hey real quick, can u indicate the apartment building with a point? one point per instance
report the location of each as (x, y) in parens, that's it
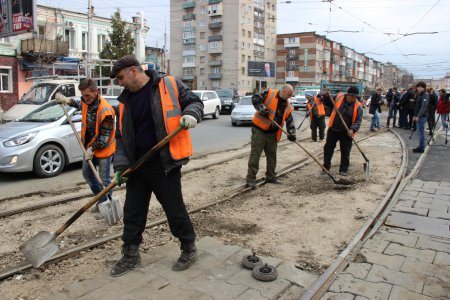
(214, 42)
(307, 58)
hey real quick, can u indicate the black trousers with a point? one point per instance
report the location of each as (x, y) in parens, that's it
(411, 123)
(345, 142)
(317, 123)
(148, 179)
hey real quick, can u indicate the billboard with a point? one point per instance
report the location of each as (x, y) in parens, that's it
(261, 69)
(17, 17)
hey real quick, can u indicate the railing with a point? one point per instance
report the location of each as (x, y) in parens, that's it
(215, 76)
(214, 26)
(36, 45)
(188, 5)
(214, 38)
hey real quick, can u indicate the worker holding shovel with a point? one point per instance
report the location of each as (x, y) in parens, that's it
(270, 105)
(97, 135)
(352, 113)
(151, 108)
(316, 113)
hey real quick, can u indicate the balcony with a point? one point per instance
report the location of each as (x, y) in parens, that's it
(215, 63)
(215, 26)
(188, 5)
(258, 53)
(259, 42)
(292, 67)
(188, 65)
(292, 56)
(215, 50)
(292, 42)
(188, 41)
(189, 17)
(214, 1)
(215, 76)
(188, 77)
(38, 45)
(190, 28)
(214, 38)
(215, 12)
(291, 79)
(188, 53)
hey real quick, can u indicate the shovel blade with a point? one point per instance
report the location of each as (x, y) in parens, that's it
(40, 248)
(367, 170)
(111, 210)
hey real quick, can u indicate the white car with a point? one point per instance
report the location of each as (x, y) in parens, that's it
(211, 102)
(300, 101)
(243, 112)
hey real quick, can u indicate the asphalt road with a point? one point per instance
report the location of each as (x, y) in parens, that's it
(209, 136)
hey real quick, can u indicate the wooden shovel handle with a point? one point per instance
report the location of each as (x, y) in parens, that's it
(114, 183)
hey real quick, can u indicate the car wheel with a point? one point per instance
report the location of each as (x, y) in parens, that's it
(233, 123)
(49, 161)
(216, 113)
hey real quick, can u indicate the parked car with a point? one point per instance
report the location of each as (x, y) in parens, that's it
(299, 100)
(243, 112)
(228, 99)
(211, 102)
(42, 141)
(39, 94)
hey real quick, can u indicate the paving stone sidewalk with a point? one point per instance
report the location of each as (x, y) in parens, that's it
(218, 274)
(409, 257)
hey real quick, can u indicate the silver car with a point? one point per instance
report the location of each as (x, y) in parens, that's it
(42, 142)
(243, 111)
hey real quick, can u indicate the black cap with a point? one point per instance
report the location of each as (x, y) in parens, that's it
(353, 91)
(124, 62)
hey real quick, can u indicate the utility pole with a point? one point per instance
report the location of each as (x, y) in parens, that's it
(89, 39)
(163, 67)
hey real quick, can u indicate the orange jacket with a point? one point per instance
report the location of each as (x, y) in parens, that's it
(271, 102)
(319, 106)
(339, 101)
(104, 109)
(180, 145)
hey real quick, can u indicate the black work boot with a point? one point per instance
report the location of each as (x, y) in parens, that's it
(187, 258)
(130, 259)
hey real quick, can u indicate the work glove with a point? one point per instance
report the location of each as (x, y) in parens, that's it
(61, 99)
(188, 121)
(89, 154)
(119, 178)
(292, 137)
(263, 110)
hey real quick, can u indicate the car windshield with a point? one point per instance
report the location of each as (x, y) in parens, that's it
(228, 94)
(198, 94)
(38, 94)
(47, 113)
(245, 101)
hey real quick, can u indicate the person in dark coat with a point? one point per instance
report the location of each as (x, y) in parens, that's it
(393, 103)
(402, 121)
(431, 110)
(375, 109)
(420, 114)
(410, 106)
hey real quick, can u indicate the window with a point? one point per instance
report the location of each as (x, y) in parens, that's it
(243, 45)
(202, 71)
(242, 58)
(202, 47)
(41, 32)
(243, 32)
(243, 70)
(101, 41)
(249, 34)
(215, 83)
(214, 45)
(202, 35)
(202, 59)
(292, 62)
(292, 52)
(202, 23)
(69, 36)
(189, 59)
(189, 47)
(84, 41)
(291, 73)
(202, 84)
(203, 11)
(190, 23)
(188, 34)
(5, 80)
(215, 70)
(249, 58)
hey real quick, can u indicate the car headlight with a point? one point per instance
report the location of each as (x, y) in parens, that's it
(20, 140)
(235, 113)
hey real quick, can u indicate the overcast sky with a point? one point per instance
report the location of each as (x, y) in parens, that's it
(413, 34)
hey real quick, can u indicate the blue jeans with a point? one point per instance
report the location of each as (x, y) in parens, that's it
(444, 121)
(103, 165)
(421, 130)
(392, 113)
(375, 120)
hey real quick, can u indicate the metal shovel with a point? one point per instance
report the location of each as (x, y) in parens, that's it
(366, 165)
(341, 181)
(111, 209)
(43, 246)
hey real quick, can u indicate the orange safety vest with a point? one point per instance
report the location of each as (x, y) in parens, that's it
(271, 103)
(319, 105)
(104, 109)
(180, 145)
(339, 101)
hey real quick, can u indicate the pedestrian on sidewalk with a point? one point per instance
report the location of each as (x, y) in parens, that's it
(443, 107)
(375, 109)
(316, 116)
(151, 107)
(420, 114)
(97, 135)
(352, 113)
(402, 119)
(272, 105)
(393, 106)
(432, 104)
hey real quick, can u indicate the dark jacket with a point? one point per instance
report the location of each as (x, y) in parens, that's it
(375, 103)
(125, 154)
(346, 111)
(421, 109)
(258, 99)
(410, 101)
